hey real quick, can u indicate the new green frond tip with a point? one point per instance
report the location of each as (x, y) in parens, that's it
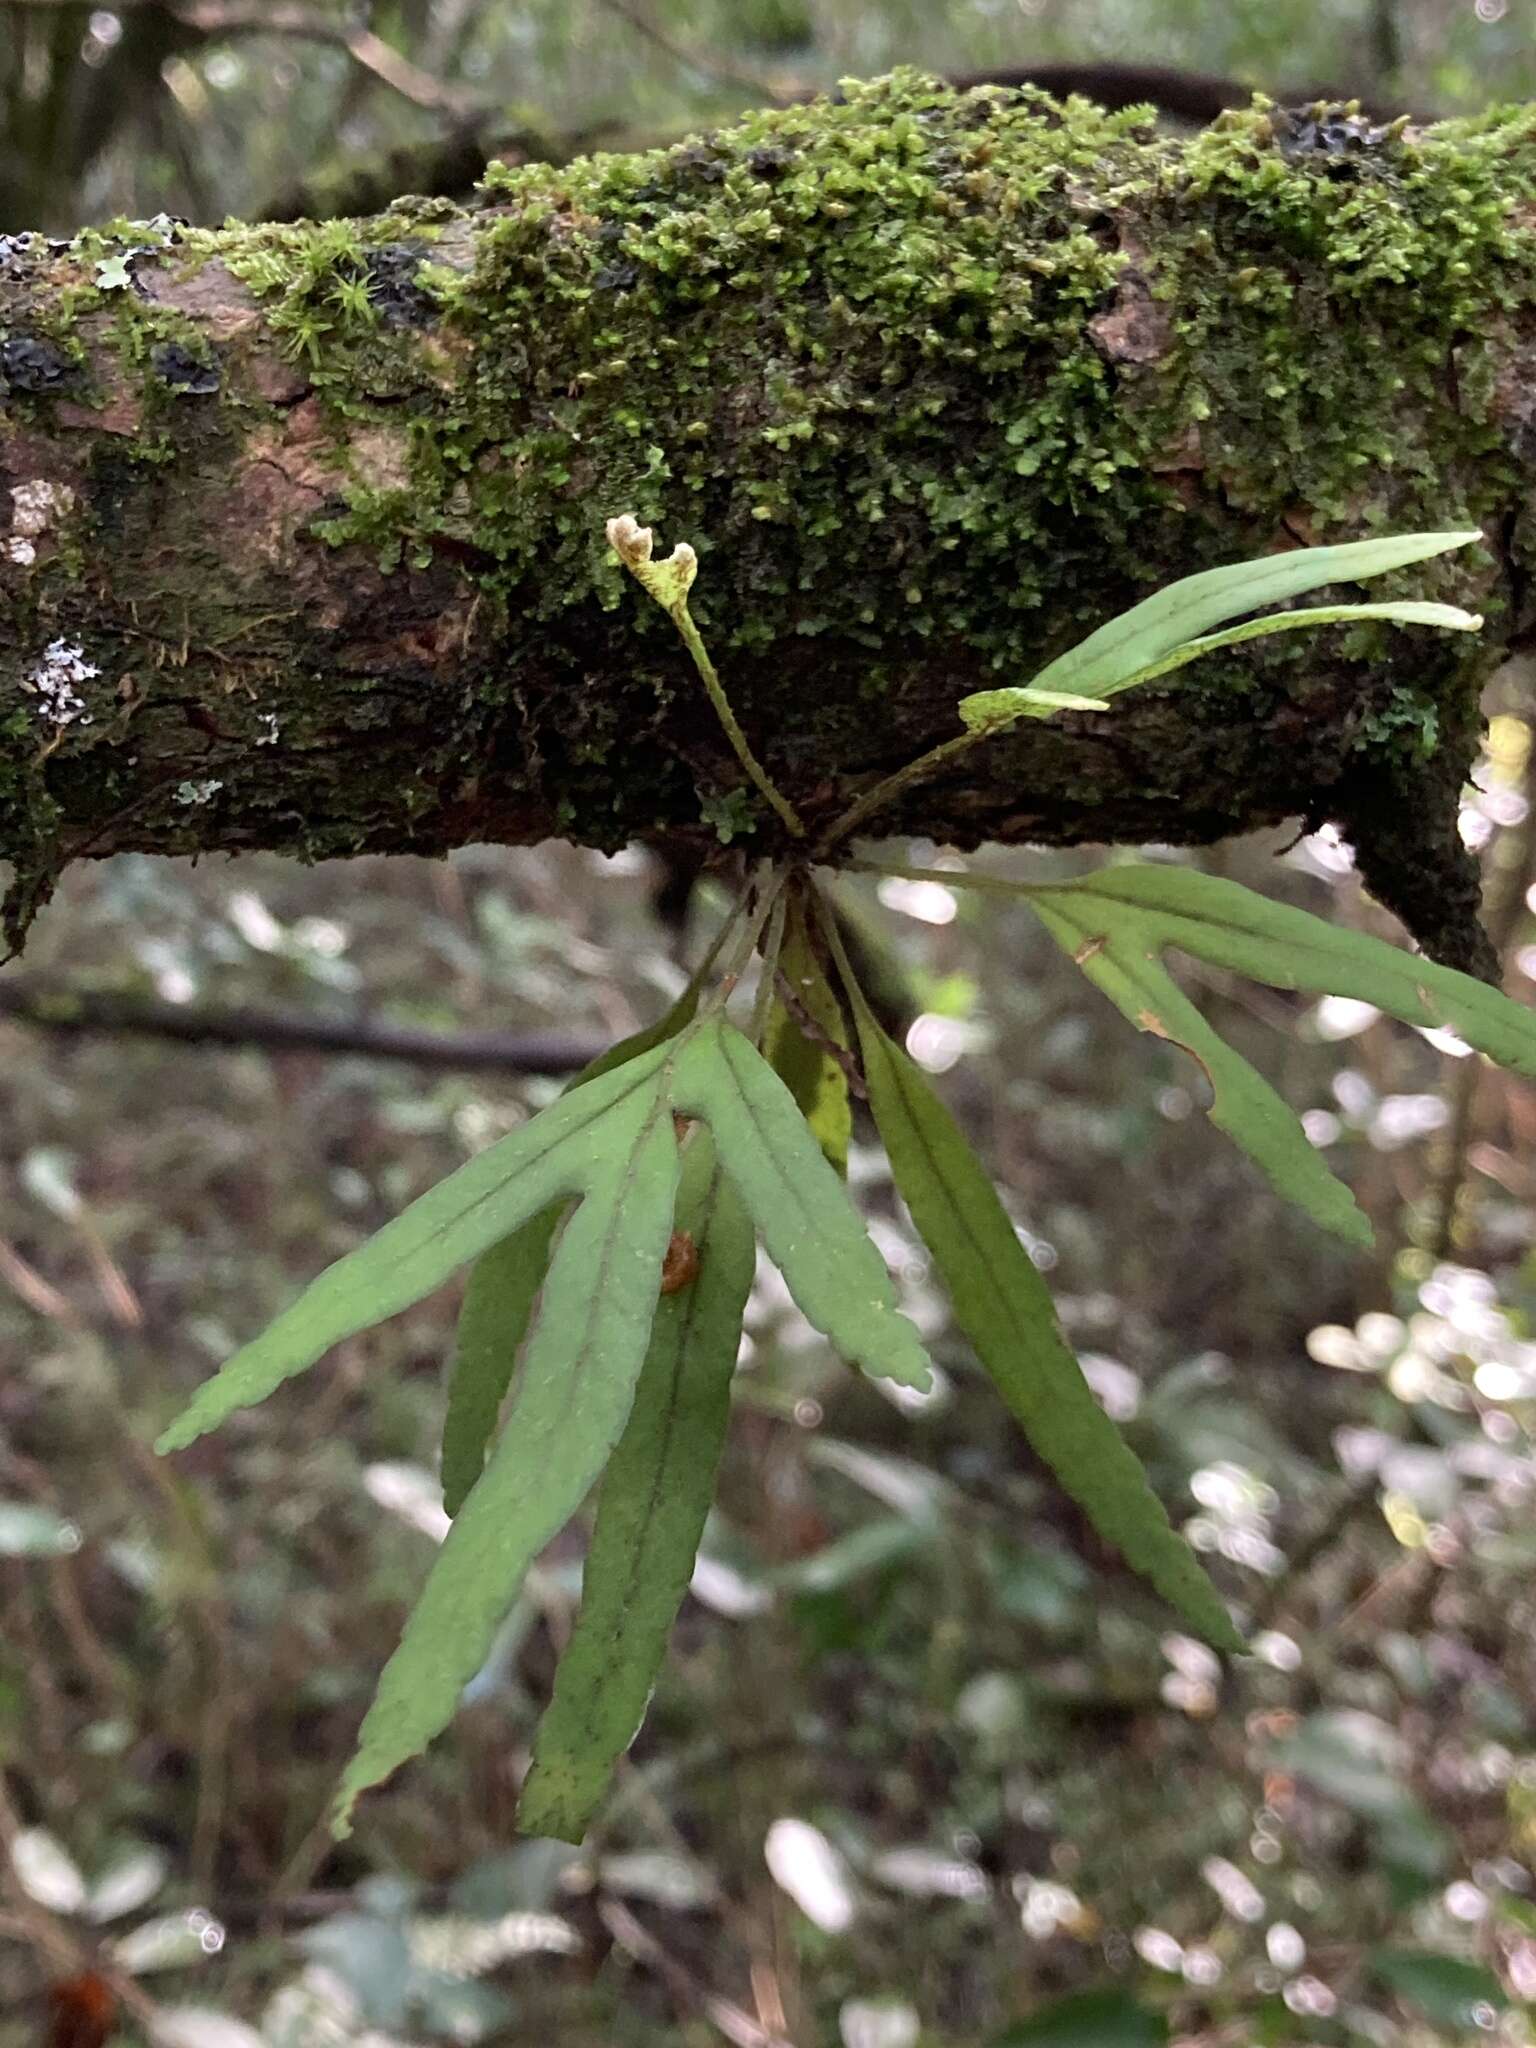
(670, 581)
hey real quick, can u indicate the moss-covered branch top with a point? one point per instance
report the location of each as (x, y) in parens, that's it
(302, 528)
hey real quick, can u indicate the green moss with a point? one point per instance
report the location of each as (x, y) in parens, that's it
(733, 815)
(852, 344)
(350, 301)
(873, 358)
(868, 243)
(1377, 268)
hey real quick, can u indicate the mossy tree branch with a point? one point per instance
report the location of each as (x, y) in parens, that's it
(305, 544)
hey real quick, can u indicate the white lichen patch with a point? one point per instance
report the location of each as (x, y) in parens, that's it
(380, 458)
(198, 792)
(54, 678)
(35, 506)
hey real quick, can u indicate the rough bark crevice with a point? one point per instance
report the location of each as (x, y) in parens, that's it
(301, 528)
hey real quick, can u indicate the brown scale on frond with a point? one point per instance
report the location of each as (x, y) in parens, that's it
(680, 1266)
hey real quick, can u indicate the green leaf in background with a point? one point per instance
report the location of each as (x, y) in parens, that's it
(811, 1073)
(872, 1548)
(503, 1286)
(1128, 649)
(572, 1400)
(992, 707)
(1090, 2019)
(655, 1495)
(1117, 923)
(1004, 1307)
(562, 1151)
(1351, 1757)
(1448, 1991)
(811, 1232)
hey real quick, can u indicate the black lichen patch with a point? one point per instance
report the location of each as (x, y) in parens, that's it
(704, 160)
(769, 163)
(14, 250)
(184, 370)
(38, 367)
(1338, 134)
(394, 289)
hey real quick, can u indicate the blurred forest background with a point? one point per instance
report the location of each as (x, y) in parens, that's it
(925, 1766)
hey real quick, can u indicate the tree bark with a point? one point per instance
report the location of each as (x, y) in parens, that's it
(305, 542)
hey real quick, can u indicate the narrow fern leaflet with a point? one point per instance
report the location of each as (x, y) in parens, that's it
(1117, 923)
(1231, 926)
(562, 1151)
(572, 1400)
(1193, 605)
(991, 707)
(810, 1071)
(1121, 957)
(1005, 1309)
(810, 1229)
(655, 1495)
(503, 1286)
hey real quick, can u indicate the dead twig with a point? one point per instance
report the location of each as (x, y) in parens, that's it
(729, 2019)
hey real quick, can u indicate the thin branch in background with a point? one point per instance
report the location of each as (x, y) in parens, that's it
(29, 1286)
(45, 1933)
(778, 92)
(450, 27)
(88, 1013)
(1445, 1195)
(367, 50)
(94, 1661)
(727, 2018)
